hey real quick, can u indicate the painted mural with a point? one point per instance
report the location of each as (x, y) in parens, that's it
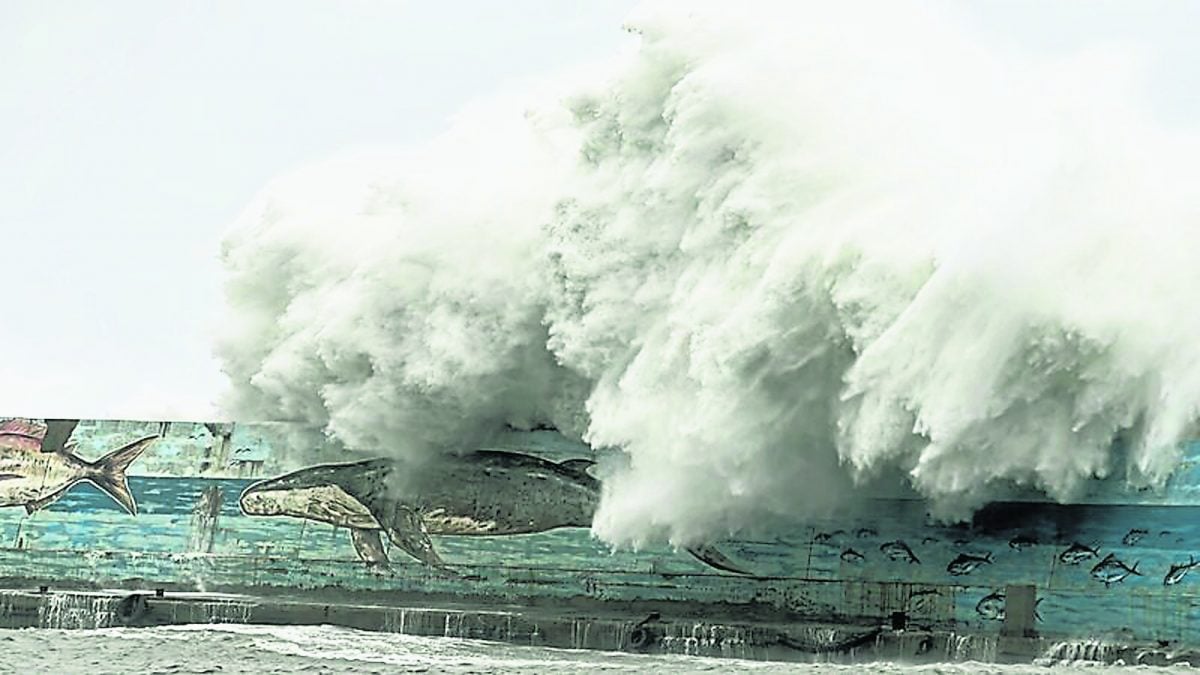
(216, 507)
(38, 465)
(484, 493)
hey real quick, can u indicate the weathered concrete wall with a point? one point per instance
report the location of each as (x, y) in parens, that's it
(671, 631)
(878, 567)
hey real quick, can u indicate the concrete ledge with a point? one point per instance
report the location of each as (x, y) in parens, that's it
(666, 629)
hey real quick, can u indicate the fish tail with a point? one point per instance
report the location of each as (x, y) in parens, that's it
(108, 473)
(1133, 570)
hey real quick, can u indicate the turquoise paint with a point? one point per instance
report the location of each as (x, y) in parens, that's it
(85, 538)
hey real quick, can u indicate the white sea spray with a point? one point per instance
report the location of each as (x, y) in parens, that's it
(777, 252)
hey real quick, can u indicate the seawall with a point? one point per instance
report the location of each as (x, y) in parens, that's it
(885, 581)
(648, 628)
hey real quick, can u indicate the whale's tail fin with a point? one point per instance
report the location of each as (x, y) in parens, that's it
(710, 556)
(108, 473)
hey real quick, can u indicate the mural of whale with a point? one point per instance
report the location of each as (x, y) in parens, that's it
(484, 493)
(37, 465)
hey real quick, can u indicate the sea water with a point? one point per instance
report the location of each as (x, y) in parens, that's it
(228, 648)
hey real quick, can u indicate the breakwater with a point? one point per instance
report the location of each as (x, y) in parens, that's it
(663, 628)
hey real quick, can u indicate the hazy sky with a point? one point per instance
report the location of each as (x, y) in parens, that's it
(134, 132)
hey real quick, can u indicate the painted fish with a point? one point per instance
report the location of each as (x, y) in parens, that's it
(966, 563)
(1077, 553)
(852, 556)
(34, 474)
(898, 550)
(1022, 542)
(823, 538)
(866, 532)
(1179, 571)
(991, 607)
(1133, 536)
(1112, 571)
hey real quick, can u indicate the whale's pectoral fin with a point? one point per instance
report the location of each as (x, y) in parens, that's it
(369, 547)
(407, 532)
(577, 465)
(710, 556)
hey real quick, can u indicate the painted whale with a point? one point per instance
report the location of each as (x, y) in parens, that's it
(484, 493)
(38, 466)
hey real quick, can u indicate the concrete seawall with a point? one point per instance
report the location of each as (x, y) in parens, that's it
(660, 628)
(1021, 581)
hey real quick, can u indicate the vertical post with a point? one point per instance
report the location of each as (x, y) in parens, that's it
(1020, 606)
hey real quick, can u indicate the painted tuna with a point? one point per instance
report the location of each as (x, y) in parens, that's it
(966, 563)
(1133, 536)
(1077, 553)
(484, 493)
(828, 537)
(1179, 571)
(852, 556)
(991, 607)
(898, 550)
(1112, 571)
(38, 466)
(1022, 542)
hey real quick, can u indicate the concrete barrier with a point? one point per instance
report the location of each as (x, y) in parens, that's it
(669, 629)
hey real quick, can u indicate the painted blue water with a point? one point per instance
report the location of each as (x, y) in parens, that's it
(86, 536)
(155, 495)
